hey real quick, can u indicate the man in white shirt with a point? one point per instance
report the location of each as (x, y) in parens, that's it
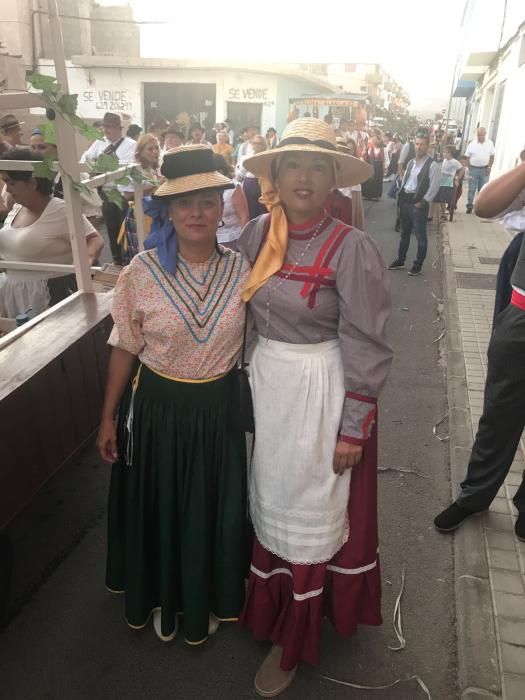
(480, 154)
(419, 187)
(198, 136)
(245, 151)
(503, 421)
(124, 148)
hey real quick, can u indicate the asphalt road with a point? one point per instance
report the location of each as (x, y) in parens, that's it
(67, 638)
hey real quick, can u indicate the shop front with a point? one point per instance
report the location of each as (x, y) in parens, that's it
(142, 89)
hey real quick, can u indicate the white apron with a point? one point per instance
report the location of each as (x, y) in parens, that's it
(298, 505)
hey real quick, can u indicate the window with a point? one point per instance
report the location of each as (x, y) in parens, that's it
(496, 114)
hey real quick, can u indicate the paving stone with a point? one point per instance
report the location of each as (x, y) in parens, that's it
(499, 521)
(512, 632)
(501, 540)
(514, 479)
(514, 686)
(510, 605)
(508, 582)
(517, 468)
(512, 658)
(500, 505)
(504, 559)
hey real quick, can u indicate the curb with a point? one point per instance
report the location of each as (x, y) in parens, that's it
(478, 662)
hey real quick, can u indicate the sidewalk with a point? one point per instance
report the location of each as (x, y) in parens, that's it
(490, 584)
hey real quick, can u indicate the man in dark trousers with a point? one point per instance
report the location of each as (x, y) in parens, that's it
(124, 148)
(503, 420)
(419, 186)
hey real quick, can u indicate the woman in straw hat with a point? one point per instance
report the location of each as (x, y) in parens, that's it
(177, 494)
(318, 294)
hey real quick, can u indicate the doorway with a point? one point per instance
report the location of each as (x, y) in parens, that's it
(243, 114)
(168, 100)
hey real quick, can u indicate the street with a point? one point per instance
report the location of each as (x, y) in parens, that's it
(67, 637)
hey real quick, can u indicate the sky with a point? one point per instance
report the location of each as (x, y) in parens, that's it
(416, 41)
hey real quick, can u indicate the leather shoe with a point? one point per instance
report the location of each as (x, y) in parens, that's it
(451, 518)
(271, 680)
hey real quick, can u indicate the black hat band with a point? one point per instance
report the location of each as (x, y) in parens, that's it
(185, 163)
(301, 140)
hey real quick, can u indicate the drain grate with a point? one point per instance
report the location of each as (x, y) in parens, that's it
(474, 280)
(489, 261)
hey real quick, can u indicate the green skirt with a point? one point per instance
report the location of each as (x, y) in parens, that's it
(177, 523)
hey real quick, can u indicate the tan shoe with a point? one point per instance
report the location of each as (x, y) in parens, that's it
(271, 680)
(157, 626)
(213, 624)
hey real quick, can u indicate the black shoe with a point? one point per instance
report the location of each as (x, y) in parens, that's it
(397, 228)
(519, 527)
(469, 210)
(451, 518)
(415, 270)
(396, 265)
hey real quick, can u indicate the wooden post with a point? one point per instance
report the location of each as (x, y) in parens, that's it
(69, 168)
(139, 213)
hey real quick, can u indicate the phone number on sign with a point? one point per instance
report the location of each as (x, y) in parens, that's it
(114, 106)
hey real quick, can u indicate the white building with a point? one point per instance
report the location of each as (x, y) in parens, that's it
(493, 65)
(143, 88)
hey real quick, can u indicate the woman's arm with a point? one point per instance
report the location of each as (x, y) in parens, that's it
(95, 243)
(499, 194)
(364, 305)
(240, 204)
(120, 365)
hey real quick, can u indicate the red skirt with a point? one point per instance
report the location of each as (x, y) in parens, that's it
(285, 602)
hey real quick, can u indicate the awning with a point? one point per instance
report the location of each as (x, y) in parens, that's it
(465, 88)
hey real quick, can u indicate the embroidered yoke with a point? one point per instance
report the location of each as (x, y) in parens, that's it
(340, 291)
(188, 325)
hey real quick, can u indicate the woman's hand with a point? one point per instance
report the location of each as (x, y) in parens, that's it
(107, 440)
(346, 456)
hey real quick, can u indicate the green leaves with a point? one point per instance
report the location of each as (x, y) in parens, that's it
(48, 132)
(68, 104)
(46, 83)
(80, 187)
(44, 169)
(106, 163)
(89, 132)
(136, 174)
(122, 180)
(115, 197)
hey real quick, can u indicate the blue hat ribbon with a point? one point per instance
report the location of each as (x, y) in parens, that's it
(162, 234)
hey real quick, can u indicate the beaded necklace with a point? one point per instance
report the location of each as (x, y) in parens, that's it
(276, 285)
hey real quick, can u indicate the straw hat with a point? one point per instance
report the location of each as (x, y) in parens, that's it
(308, 135)
(188, 169)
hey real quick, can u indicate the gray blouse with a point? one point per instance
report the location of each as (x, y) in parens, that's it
(339, 290)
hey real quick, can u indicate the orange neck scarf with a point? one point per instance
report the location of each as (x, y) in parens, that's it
(271, 258)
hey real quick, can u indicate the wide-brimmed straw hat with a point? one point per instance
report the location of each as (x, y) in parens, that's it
(308, 135)
(188, 169)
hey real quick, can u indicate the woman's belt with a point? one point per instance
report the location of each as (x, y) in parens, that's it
(206, 380)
